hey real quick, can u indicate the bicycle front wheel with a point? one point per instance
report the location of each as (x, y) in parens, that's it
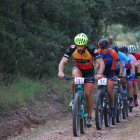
(119, 109)
(124, 110)
(83, 119)
(76, 112)
(107, 112)
(99, 110)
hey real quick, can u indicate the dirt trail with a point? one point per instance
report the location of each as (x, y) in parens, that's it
(127, 129)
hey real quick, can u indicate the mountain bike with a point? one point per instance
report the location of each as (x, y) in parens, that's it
(118, 99)
(79, 109)
(102, 106)
(125, 101)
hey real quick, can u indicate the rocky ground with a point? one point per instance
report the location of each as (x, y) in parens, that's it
(18, 120)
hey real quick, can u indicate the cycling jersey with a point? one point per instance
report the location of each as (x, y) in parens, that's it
(84, 60)
(137, 56)
(127, 65)
(123, 58)
(109, 59)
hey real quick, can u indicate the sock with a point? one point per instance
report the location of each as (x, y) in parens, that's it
(131, 100)
(135, 97)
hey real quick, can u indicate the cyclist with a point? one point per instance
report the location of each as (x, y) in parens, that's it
(109, 57)
(83, 56)
(132, 50)
(123, 58)
(129, 71)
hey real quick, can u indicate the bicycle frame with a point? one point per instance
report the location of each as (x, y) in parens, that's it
(103, 88)
(80, 90)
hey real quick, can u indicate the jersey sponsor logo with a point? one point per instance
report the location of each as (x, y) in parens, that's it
(98, 56)
(85, 54)
(95, 51)
(73, 46)
(82, 61)
(90, 47)
(105, 59)
(66, 55)
(68, 50)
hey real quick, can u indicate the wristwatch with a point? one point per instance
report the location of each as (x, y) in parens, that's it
(60, 71)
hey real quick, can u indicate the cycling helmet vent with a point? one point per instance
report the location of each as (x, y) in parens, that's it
(114, 47)
(123, 49)
(131, 49)
(103, 43)
(81, 39)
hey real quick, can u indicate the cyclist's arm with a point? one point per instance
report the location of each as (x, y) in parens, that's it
(61, 67)
(138, 67)
(136, 63)
(101, 64)
(133, 67)
(121, 66)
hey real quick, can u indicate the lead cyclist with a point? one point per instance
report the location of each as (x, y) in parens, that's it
(83, 56)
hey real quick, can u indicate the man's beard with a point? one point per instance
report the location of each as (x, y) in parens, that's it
(81, 51)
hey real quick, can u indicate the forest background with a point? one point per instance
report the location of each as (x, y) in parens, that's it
(35, 34)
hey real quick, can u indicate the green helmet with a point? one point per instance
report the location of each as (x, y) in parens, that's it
(81, 39)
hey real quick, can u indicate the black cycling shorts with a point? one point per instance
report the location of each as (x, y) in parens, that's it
(86, 73)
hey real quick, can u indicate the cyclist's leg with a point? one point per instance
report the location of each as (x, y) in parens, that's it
(88, 87)
(135, 92)
(130, 87)
(88, 90)
(76, 72)
(109, 88)
(124, 82)
(130, 90)
(110, 84)
(135, 88)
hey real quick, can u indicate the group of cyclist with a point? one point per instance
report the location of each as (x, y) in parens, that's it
(110, 60)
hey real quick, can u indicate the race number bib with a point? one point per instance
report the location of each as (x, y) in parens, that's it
(79, 80)
(102, 81)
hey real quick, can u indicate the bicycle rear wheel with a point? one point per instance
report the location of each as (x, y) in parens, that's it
(107, 112)
(127, 108)
(119, 109)
(99, 110)
(115, 106)
(83, 120)
(124, 110)
(76, 112)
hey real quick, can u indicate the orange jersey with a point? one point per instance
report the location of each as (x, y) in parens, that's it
(84, 60)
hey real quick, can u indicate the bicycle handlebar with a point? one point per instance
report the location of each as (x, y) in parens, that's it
(69, 78)
(93, 78)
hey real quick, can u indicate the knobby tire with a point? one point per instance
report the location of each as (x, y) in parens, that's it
(107, 112)
(83, 120)
(99, 110)
(76, 112)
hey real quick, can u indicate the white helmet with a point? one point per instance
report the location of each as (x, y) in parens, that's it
(131, 49)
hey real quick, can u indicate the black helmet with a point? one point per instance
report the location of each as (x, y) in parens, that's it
(123, 49)
(114, 47)
(103, 43)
